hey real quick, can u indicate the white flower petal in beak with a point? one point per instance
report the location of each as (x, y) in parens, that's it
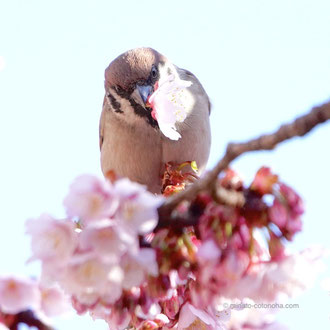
(168, 105)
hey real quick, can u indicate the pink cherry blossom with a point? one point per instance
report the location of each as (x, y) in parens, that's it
(137, 266)
(293, 199)
(295, 273)
(3, 327)
(150, 311)
(119, 267)
(207, 285)
(234, 265)
(287, 217)
(18, 294)
(52, 241)
(264, 181)
(54, 302)
(252, 318)
(90, 199)
(84, 300)
(270, 281)
(88, 273)
(137, 211)
(208, 251)
(168, 103)
(157, 323)
(193, 318)
(118, 319)
(278, 214)
(248, 286)
(99, 311)
(107, 239)
(148, 324)
(171, 306)
(161, 319)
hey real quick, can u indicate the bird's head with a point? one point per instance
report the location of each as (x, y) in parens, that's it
(143, 86)
(131, 78)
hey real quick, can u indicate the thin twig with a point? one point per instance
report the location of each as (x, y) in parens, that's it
(299, 127)
(28, 318)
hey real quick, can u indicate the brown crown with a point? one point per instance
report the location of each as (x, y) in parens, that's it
(130, 67)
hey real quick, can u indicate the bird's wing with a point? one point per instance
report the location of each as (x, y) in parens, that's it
(102, 123)
(187, 75)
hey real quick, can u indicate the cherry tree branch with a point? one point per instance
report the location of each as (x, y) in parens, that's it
(299, 127)
(26, 317)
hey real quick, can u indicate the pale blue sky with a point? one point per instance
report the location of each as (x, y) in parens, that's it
(262, 63)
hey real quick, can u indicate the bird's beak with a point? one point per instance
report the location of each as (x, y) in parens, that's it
(145, 91)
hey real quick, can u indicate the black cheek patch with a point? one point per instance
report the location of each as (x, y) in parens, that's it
(139, 110)
(115, 105)
(142, 112)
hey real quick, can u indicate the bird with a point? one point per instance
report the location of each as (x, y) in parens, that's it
(133, 140)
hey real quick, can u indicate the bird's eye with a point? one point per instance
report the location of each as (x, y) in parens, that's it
(154, 72)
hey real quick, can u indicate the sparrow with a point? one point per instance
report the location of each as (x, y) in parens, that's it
(153, 113)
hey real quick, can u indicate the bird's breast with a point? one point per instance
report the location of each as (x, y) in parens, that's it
(133, 152)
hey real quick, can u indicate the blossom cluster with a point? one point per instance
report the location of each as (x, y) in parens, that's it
(124, 262)
(24, 300)
(95, 254)
(170, 104)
